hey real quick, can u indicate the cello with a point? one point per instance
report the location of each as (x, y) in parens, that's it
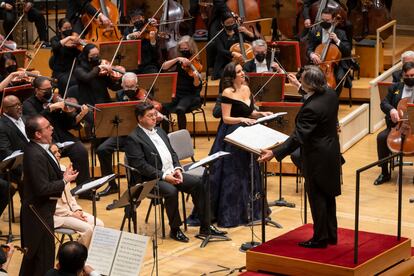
(97, 32)
(330, 56)
(402, 129)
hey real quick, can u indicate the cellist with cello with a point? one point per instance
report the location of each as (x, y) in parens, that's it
(325, 37)
(76, 8)
(392, 106)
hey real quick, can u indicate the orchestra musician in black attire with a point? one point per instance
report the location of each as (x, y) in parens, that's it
(320, 34)
(75, 10)
(65, 50)
(149, 47)
(62, 122)
(8, 14)
(389, 105)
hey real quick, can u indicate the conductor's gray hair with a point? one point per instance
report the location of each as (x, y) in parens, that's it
(313, 77)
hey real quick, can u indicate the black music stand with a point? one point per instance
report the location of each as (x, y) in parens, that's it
(132, 197)
(206, 163)
(267, 87)
(115, 120)
(93, 186)
(285, 125)
(6, 166)
(164, 88)
(128, 56)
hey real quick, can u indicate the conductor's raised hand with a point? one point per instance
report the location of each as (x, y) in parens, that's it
(265, 155)
(70, 174)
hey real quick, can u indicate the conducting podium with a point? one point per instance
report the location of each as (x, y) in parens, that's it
(253, 139)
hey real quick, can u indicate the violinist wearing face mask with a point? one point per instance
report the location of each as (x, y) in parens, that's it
(260, 63)
(64, 49)
(149, 46)
(389, 105)
(93, 78)
(188, 87)
(320, 34)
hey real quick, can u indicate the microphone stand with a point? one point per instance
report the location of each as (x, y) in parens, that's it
(116, 121)
(155, 240)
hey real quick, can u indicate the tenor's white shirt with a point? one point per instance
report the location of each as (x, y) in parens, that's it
(19, 124)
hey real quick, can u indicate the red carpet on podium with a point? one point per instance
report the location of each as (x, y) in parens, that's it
(342, 254)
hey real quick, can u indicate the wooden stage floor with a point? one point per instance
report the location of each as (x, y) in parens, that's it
(378, 214)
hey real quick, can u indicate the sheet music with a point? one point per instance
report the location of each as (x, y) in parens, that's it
(102, 249)
(64, 144)
(256, 137)
(270, 117)
(130, 254)
(95, 183)
(208, 159)
(13, 155)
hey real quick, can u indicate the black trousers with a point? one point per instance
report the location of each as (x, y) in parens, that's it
(182, 105)
(105, 152)
(42, 260)
(33, 15)
(382, 149)
(192, 185)
(78, 155)
(323, 209)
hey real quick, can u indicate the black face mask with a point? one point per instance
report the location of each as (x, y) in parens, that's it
(229, 27)
(409, 81)
(95, 61)
(67, 32)
(11, 69)
(130, 93)
(326, 25)
(139, 24)
(186, 53)
(260, 57)
(47, 95)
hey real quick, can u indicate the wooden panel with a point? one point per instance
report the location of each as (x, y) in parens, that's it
(354, 127)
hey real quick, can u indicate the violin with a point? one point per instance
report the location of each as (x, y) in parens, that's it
(29, 77)
(70, 103)
(145, 32)
(142, 95)
(330, 55)
(402, 129)
(194, 68)
(115, 72)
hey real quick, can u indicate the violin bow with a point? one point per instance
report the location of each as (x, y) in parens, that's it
(270, 78)
(116, 51)
(89, 23)
(44, 223)
(343, 78)
(11, 31)
(155, 13)
(69, 78)
(34, 55)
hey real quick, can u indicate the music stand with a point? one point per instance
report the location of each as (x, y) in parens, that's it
(132, 197)
(164, 88)
(20, 91)
(286, 125)
(289, 54)
(6, 166)
(206, 163)
(129, 54)
(115, 120)
(93, 186)
(273, 91)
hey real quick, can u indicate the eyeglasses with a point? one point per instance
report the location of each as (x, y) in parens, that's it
(151, 115)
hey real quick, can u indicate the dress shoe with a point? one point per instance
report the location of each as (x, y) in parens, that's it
(382, 178)
(332, 241)
(314, 244)
(109, 190)
(178, 235)
(212, 230)
(89, 196)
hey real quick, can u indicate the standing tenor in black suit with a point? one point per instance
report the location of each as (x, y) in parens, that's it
(389, 106)
(149, 151)
(43, 180)
(316, 135)
(320, 35)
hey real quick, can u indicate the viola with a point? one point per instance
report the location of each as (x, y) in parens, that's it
(402, 129)
(142, 95)
(194, 68)
(97, 32)
(70, 103)
(330, 55)
(145, 32)
(115, 72)
(29, 77)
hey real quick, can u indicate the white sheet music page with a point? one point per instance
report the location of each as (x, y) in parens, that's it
(102, 249)
(13, 155)
(130, 255)
(208, 159)
(257, 137)
(270, 117)
(94, 183)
